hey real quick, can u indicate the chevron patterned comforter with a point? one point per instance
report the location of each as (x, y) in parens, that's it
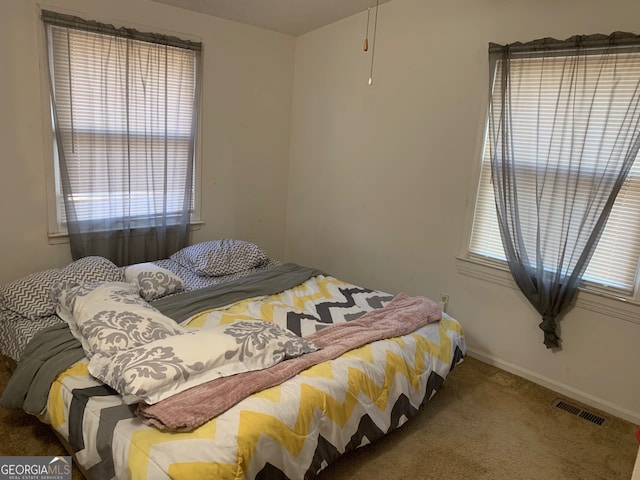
(292, 430)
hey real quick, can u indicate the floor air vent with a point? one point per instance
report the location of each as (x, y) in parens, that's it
(589, 416)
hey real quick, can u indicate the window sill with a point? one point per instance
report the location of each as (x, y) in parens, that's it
(622, 308)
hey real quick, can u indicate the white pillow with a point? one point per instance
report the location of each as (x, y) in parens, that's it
(110, 317)
(157, 370)
(153, 281)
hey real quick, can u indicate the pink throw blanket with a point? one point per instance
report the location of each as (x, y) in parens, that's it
(188, 410)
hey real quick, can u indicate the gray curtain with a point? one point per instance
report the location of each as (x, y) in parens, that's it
(125, 111)
(563, 131)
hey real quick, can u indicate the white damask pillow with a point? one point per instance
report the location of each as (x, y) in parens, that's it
(157, 370)
(220, 257)
(111, 317)
(153, 281)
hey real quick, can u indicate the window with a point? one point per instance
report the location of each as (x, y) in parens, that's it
(614, 266)
(125, 112)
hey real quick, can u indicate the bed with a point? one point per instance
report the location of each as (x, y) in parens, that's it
(274, 369)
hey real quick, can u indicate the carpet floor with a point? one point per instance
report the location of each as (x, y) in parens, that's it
(484, 424)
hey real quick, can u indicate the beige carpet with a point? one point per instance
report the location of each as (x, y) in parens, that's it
(484, 424)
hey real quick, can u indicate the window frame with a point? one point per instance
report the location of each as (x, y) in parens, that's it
(56, 231)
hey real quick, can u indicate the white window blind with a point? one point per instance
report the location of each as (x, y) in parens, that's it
(125, 113)
(614, 265)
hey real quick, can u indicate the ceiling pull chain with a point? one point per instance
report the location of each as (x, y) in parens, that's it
(366, 35)
(373, 46)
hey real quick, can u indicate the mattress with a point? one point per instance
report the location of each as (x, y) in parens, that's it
(292, 430)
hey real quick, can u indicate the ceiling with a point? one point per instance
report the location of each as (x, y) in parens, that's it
(293, 17)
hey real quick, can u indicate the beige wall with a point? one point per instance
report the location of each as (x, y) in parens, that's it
(246, 112)
(382, 178)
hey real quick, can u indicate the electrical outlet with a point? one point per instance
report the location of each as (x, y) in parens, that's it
(444, 301)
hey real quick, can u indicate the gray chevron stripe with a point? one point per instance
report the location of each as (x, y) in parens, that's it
(30, 296)
(220, 257)
(109, 417)
(363, 299)
(193, 281)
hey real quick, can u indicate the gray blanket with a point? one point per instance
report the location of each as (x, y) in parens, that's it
(49, 353)
(183, 306)
(54, 349)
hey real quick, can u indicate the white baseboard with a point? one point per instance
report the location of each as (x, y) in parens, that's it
(595, 402)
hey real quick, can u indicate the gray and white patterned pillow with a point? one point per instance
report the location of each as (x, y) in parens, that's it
(85, 271)
(111, 317)
(157, 370)
(153, 281)
(34, 296)
(220, 257)
(29, 297)
(193, 281)
(93, 269)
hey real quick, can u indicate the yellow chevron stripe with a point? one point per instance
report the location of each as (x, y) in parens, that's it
(273, 394)
(321, 370)
(254, 424)
(142, 441)
(55, 404)
(199, 470)
(323, 292)
(419, 358)
(295, 299)
(441, 351)
(237, 311)
(198, 320)
(325, 369)
(311, 290)
(267, 311)
(365, 353)
(239, 308)
(449, 324)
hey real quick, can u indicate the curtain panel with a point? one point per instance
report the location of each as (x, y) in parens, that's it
(125, 110)
(563, 132)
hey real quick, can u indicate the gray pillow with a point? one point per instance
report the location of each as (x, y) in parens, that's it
(35, 296)
(29, 297)
(216, 258)
(93, 269)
